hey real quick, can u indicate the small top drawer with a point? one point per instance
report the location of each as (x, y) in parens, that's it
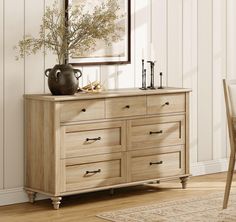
(82, 110)
(125, 106)
(167, 103)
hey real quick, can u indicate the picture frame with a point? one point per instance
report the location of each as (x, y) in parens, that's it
(117, 53)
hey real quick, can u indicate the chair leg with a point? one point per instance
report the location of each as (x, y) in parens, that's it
(229, 180)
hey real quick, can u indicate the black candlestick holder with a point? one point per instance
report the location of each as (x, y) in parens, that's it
(144, 74)
(161, 77)
(152, 65)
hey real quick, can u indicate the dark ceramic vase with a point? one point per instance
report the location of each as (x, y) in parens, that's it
(63, 79)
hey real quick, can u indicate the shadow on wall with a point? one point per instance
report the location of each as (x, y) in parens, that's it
(110, 75)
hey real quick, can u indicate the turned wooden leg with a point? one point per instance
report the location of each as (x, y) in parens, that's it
(184, 182)
(31, 196)
(56, 202)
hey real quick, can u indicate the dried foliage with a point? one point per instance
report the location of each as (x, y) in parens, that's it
(77, 34)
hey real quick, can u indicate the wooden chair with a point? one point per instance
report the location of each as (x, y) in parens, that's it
(230, 101)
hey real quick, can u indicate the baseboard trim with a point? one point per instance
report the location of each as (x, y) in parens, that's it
(209, 167)
(18, 195)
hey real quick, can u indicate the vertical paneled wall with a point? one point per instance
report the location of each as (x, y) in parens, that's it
(14, 84)
(175, 42)
(219, 71)
(205, 79)
(193, 42)
(190, 69)
(1, 94)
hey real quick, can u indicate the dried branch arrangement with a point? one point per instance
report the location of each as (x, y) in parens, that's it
(77, 34)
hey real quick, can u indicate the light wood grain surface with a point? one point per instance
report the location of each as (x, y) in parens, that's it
(106, 94)
(84, 207)
(40, 143)
(81, 146)
(84, 110)
(76, 140)
(152, 163)
(91, 172)
(165, 103)
(126, 106)
(156, 132)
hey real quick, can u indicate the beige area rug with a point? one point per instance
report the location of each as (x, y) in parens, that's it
(201, 209)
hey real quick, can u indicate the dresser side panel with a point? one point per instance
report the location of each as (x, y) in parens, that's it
(40, 137)
(187, 133)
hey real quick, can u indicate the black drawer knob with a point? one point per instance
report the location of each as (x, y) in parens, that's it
(156, 163)
(127, 107)
(166, 104)
(83, 110)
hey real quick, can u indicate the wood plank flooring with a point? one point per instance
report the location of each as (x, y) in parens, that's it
(84, 207)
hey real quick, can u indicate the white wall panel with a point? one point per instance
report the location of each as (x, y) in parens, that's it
(190, 69)
(231, 37)
(219, 72)
(90, 74)
(125, 76)
(126, 73)
(159, 38)
(205, 80)
(34, 64)
(1, 93)
(109, 76)
(141, 39)
(175, 43)
(14, 90)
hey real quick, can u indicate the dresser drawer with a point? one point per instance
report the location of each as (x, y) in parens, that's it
(167, 103)
(91, 172)
(151, 164)
(156, 132)
(125, 106)
(93, 139)
(82, 110)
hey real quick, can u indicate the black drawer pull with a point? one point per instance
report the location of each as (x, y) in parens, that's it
(127, 107)
(166, 104)
(93, 171)
(157, 132)
(83, 110)
(93, 139)
(156, 163)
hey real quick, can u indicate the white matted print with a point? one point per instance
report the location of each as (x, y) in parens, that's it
(117, 52)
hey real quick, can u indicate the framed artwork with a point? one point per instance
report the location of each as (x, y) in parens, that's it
(115, 53)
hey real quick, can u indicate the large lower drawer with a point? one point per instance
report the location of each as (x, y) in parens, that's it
(93, 139)
(156, 132)
(93, 171)
(151, 164)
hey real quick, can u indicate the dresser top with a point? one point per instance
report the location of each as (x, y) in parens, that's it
(107, 94)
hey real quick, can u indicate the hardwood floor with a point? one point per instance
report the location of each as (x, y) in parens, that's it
(84, 207)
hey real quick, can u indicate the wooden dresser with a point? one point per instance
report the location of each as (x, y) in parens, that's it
(88, 142)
